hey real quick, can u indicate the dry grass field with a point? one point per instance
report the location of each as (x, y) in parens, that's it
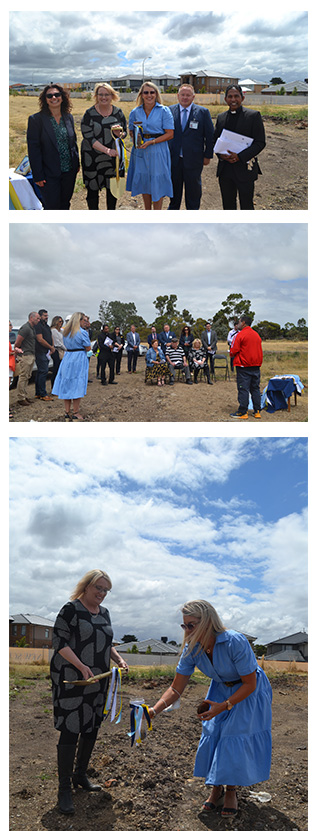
(284, 162)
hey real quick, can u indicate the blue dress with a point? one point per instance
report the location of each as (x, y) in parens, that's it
(150, 169)
(72, 377)
(235, 746)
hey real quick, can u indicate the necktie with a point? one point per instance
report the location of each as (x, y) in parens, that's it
(184, 119)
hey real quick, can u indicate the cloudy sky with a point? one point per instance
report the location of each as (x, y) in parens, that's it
(170, 521)
(71, 267)
(80, 45)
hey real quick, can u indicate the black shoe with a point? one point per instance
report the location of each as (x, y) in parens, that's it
(171, 383)
(79, 778)
(113, 382)
(210, 382)
(190, 382)
(104, 383)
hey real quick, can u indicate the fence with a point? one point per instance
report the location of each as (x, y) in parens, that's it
(17, 655)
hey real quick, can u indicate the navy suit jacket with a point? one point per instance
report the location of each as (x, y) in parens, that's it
(248, 123)
(196, 143)
(43, 149)
(164, 340)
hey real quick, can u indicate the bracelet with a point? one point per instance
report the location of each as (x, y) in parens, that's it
(176, 691)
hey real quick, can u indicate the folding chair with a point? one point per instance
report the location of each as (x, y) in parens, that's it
(222, 363)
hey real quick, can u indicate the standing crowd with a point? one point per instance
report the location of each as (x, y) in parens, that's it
(171, 145)
(65, 348)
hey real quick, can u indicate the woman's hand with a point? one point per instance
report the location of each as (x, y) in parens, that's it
(215, 709)
(42, 183)
(110, 152)
(229, 157)
(146, 144)
(86, 672)
(123, 665)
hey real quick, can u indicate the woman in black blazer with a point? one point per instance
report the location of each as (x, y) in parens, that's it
(52, 148)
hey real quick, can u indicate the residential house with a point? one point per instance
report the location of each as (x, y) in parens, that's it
(37, 630)
(290, 648)
(208, 80)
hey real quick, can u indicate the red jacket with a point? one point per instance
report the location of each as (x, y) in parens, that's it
(246, 349)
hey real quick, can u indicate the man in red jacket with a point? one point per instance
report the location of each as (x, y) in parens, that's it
(247, 354)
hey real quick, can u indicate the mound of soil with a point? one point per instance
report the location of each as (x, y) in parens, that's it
(154, 789)
(133, 400)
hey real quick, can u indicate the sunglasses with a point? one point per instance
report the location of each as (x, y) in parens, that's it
(148, 93)
(53, 95)
(188, 626)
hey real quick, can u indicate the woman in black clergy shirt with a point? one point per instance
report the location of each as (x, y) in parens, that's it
(52, 148)
(98, 153)
(82, 643)
(235, 177)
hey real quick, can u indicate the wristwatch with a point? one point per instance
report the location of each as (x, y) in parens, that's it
(229, 705)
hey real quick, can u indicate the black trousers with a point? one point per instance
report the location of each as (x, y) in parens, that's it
(248, 382)
(57, 192)
(93, 200)
(230, 188)
(191, 179)
(106, 358)
(132, 359)
(71, 738)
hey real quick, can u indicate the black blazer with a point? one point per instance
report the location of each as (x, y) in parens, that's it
(43, 149)
(196, 142)
(248, 123)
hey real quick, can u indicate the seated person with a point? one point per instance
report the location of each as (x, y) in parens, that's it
(156, 363)
(198, 360)
(176, 359)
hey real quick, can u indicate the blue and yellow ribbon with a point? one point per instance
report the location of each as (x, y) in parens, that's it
(138, 712)
(110, 706)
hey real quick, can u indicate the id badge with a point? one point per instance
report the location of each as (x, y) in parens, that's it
(194, 125)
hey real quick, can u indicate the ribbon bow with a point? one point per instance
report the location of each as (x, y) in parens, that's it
(139, 712)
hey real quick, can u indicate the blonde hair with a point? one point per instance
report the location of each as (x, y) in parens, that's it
(196, 340)
(89, 579)
(209, 624)
(139, 99)
(72, 327)
(109, 88)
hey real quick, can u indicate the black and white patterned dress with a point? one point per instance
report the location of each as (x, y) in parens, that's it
(97, 167)
(80, 709)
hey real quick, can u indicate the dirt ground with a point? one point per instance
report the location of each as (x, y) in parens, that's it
(133, 400)
(282, 186)
(154, 788)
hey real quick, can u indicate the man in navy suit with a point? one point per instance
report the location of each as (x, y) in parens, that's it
(190, 148)
(133, 342)
(165, 337)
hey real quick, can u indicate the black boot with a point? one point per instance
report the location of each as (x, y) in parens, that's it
(85, 748)
(66, 754)
(207, 373)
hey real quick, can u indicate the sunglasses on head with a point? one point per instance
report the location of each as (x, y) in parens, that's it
(53, 95)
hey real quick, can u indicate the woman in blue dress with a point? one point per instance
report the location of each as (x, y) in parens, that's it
(235, 745)
(149, 171)
(72, 378)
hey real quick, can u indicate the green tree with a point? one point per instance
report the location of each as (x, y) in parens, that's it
(22, 644)
(276, 80)
(148, 650)
(116, 313)
(259, 649)
(268, 330)
(128, 638)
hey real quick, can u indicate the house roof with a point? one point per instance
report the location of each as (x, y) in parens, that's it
(209, 73)
(35, 620)
(158, 647)
(299, 637)
(250, 81)
(286, 655)
(300, 86)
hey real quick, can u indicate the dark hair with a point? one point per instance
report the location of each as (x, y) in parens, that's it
(66, 105)
(234, 86)
(42, 312)
(247, 319)
(186, 327)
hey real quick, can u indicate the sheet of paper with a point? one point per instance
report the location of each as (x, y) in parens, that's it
(232, 141)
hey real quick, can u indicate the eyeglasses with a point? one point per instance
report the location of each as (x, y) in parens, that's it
(101, 590)
(53, 95)
(188, 626)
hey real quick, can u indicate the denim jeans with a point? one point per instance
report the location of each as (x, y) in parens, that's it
(41, 374)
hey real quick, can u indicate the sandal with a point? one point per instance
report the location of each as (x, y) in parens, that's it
(77, 417)
(229, 812)
(212, 806)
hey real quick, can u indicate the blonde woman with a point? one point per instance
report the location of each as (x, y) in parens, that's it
(72, 376)
(98, 153)
(235, 745)
(198, 360)
(149, 171)
(82, 643)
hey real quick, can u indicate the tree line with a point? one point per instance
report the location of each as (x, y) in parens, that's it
(116, 313)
